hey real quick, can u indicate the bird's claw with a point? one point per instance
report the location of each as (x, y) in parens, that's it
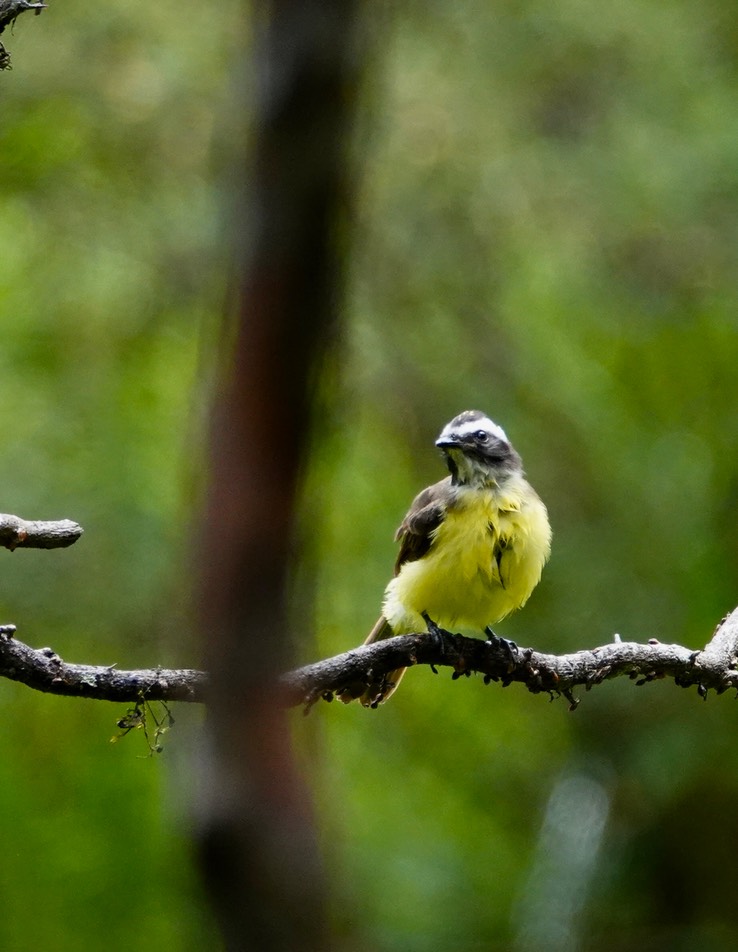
(438, 634)
(509, 647)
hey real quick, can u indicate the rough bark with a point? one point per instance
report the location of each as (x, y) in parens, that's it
(17, 533)
(714, 667)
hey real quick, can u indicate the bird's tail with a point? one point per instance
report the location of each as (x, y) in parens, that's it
(377, 690)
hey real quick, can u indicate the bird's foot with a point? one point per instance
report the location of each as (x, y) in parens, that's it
(509, 647)
(439, 635)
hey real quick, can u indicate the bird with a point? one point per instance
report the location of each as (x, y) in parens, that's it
(472, 546)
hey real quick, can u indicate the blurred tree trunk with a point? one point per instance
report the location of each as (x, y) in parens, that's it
(258, 848)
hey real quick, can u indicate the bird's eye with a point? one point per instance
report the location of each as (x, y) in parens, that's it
(482, 436)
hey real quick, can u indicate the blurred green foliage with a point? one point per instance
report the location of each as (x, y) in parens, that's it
(546, 229)
(111, 274)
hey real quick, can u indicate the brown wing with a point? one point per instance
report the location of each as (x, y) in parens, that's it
(425, 514)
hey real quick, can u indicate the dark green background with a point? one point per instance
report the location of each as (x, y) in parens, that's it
(546, 229)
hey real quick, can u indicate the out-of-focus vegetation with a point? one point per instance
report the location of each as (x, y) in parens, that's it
(546, 229)
(111, 273)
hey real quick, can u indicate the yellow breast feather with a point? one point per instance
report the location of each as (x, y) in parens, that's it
(485, 559)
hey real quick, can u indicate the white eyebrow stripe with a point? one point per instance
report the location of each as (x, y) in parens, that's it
(483, 423)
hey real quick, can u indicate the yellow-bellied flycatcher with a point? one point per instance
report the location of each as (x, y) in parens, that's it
(472, 547)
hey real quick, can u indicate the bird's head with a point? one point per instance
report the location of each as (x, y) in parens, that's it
(477, 450)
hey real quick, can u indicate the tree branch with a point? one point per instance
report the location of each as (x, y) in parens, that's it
(714, 667)
(10, 10)
(43, 670)
(17, 533)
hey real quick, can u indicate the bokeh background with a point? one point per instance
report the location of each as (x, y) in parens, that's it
(545, 228)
